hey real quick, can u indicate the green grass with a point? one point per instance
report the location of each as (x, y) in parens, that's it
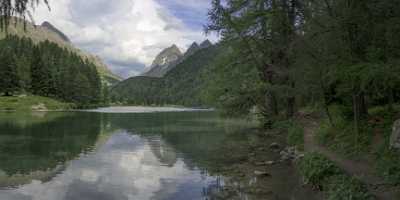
(343, 187)
(322, 173)
(316, 169)
(293, 130)
(296, 136)
(25, 103)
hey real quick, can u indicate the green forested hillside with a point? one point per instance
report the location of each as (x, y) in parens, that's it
(45, 69)
(180, 86)
(139, 90)
(41, 33)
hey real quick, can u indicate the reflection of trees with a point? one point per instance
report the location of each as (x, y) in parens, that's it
(41, 147)
(196, 136)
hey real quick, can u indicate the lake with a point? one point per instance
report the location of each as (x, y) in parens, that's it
(131, 156)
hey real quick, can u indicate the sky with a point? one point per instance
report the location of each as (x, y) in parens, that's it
(128, 34)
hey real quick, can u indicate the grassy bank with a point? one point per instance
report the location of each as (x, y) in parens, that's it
(32, 103)
(324, 175)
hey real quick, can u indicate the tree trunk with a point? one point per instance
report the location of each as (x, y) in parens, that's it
(356, 112)
(391, 100)
(7, 94)
(274, 104)
(291, 102)
(363, 106)
(290, 107)
(327, 112)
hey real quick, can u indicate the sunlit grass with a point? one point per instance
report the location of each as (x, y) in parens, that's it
(27, 103)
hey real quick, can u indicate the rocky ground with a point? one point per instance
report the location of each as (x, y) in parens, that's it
(263, 168)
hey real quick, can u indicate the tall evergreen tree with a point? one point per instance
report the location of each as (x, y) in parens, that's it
(9, 81)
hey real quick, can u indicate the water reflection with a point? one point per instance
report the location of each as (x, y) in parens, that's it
(96, 156)
(106, 156)
(34, 147)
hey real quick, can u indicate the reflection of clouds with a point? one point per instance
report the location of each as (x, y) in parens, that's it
(90, 176)
(125, 167)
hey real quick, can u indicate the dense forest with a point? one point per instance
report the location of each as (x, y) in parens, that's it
(308, 52)
(45, 69)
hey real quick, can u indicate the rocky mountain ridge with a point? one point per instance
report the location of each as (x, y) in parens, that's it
(170, 57)
(52, 28)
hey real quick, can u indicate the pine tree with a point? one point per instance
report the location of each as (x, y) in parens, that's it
(9, 81)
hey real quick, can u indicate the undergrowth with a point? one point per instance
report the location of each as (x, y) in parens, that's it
(296, 136)
(294, 131)
(373, 138)
(323, 174)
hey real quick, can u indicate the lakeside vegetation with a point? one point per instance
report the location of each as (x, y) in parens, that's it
(323, 174)
(32, 103)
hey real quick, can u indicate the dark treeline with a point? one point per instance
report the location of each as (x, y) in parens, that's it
(308, 52)
(45, 69)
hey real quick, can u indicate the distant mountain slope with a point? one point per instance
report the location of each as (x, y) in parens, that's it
(164, 62)
(46, 31)
(169, 58)
(55, 30)
(182, 85)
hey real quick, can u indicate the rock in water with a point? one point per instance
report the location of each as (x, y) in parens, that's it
(395, 137)
(261, 173)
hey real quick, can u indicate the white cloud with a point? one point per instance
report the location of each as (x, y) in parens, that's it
(127, 34)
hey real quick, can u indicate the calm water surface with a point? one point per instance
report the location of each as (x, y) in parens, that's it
(112, 156)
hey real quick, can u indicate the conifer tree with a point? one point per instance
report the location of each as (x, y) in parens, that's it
(9, 81)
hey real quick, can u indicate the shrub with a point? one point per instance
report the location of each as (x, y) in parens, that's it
(316, 168)
(388, 165)
(343, 187)
(322, 173)
(341, 137)
(282, 125)
(325, 133)
(296, 136)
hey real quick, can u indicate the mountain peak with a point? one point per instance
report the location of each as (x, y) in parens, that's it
(205, 44)
(192, 49)
(52, 28)
(171, 50)
(165, 61)
(194, 45)
(174, 47)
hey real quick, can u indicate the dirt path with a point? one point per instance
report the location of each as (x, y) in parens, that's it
(363, 169)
